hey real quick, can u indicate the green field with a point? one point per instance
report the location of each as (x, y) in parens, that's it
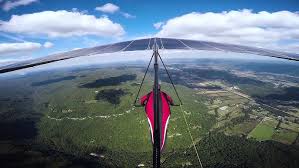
(242, 128)
(285, 136)
(72, 113)
(70, 124)
(264, 130)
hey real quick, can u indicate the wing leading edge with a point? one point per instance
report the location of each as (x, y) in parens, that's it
(146, 44)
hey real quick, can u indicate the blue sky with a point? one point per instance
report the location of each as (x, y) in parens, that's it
(270, 24)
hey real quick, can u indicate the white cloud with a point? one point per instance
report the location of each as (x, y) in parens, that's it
(15, 38)
(112, 8)
(158, 25)
(48, 44)
(17, 48)
(12, 48)
(76, 48)
(8, 5)
(127, 15)
(61, 24)
(241, 27)
(7, 61)
(108, 8)
(77, 10)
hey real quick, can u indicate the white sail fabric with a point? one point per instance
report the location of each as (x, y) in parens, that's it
(147, 44)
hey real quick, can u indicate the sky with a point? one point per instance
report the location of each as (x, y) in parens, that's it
(36, 28)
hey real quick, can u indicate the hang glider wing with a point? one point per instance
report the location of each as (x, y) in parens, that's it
(147, 44)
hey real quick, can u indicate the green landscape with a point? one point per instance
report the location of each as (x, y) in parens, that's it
(86, 116)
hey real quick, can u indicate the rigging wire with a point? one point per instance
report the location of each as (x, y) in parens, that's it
(143, 80)
(193, 143)
(181, 108)
(170, 80)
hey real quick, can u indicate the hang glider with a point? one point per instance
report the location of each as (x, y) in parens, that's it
(146, 44)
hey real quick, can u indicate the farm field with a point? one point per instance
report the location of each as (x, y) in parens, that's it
(264, 130)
